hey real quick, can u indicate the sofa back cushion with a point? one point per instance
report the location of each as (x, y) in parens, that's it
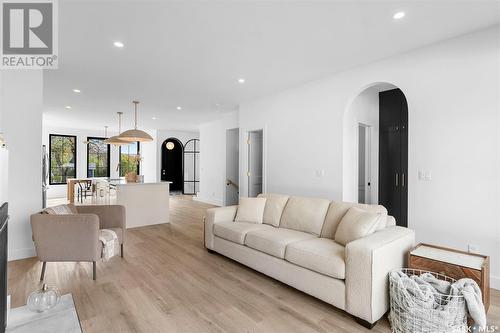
(337, 210)
(275, 204)
(305, 214)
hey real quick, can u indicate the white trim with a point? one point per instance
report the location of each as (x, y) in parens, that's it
(17, 254)
(495, 282)
(216, 202)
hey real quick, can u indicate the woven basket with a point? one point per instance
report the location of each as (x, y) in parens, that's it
(447, 314)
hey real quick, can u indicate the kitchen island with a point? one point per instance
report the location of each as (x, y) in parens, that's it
(145, 203)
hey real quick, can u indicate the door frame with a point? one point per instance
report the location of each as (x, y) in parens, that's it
(244, 134)
(368, 160)
(225, 166)
(182, 158)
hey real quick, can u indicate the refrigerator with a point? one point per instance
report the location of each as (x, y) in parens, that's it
(4, 163)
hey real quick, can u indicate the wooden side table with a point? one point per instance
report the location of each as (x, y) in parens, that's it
(453, 263)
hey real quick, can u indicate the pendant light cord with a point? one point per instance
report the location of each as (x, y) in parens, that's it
(135, 110)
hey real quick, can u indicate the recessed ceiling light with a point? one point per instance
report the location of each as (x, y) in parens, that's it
(241, 80)
(154, 118)
(399, 15)
(118, 44)
(179, 108)
(77, 91)
(67, 107)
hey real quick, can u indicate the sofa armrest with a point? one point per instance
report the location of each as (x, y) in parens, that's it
(368, 263)
(215, 215)
(66, 237)
(110, 216)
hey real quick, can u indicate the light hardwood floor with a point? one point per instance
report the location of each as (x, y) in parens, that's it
(168, 282)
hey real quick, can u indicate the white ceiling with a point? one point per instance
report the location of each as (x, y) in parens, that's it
(192, 53)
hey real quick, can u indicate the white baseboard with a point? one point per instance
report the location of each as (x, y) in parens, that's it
(208, 201)
(16, 254)
(495, 282)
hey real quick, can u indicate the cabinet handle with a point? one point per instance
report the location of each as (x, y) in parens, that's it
(397, 179)
(403, 180)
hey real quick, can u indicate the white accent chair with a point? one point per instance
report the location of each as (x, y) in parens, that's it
(295, 245)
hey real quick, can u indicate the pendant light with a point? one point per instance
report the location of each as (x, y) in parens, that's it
(135, 134)
(115, 140)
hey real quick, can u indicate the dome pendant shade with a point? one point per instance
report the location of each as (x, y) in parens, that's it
(135, 134)
(115, 140)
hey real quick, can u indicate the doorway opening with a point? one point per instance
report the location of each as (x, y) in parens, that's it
(232, 185)
(171, 164)
(255, 163)
(364, 167)
(375, 150)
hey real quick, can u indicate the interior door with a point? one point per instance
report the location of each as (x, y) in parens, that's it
(255, 157)
(393, 154)
(172, 163)
(232, 166)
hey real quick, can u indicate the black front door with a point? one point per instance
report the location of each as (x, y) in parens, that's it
(393, 154)
(171, 163)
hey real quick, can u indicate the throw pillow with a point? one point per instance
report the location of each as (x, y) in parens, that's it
(251, 210)
(356, 224)
(59, 210)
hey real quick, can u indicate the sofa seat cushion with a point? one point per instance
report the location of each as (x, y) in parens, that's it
(321, 255)
(236, 231)
(273, 241)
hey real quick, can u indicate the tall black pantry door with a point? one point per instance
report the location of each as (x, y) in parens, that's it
(393, 154)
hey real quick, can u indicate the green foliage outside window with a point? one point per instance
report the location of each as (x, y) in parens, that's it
(129, 158)
(62, 158)
(97, 158)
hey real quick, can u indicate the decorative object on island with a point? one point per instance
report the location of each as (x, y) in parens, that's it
(131, 177)
(135, 134)
(43, 299)
(115, 140)
(453, 263)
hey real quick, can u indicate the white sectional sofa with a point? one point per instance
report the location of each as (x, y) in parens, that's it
(295, 245)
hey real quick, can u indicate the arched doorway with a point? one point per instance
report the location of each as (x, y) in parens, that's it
(171, 163)
(375, 149)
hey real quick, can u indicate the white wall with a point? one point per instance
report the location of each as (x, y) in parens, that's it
(148, 153)
(183, 136)
(21, 104)
(365, 110)
(213, 158)
(452, 90)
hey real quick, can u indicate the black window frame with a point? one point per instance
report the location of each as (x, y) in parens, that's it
(108, 174)
(50, 156)
(138, 143)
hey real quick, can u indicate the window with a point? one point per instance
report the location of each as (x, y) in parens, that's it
(97, 158)
(62, 163)
(192, 166)
(129, 158)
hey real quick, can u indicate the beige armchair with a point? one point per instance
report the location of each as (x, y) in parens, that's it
(75, 237)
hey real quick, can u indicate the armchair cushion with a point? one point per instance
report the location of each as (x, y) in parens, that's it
(110, 216)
